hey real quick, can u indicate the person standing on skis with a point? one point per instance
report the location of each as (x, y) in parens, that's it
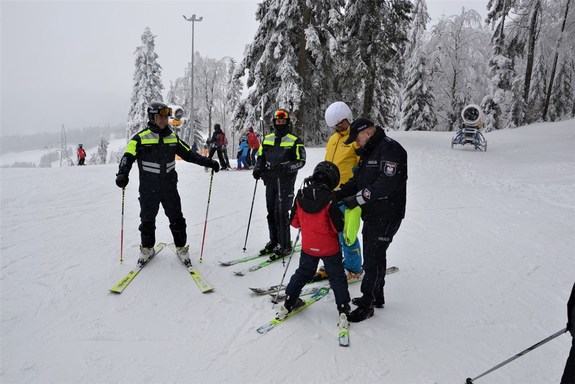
(379, 187)
(280, 157)
(320, 220)
(155, 149)
(81, 155)
(338, 116)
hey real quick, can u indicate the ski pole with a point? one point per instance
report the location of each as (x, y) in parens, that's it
(122, 229)
(275, 300)
(470, 380)
(206, 221)
(251, 210)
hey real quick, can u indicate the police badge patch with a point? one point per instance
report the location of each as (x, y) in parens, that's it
(390, 168)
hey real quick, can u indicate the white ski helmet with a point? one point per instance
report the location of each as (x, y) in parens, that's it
(472, 116)
(337, 112)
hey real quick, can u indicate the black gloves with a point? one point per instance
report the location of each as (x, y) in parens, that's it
(350, 202)
(122, 180)
(257, 173)
(214, 165)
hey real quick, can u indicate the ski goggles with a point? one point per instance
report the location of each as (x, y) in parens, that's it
(165, 112)
(281, 114)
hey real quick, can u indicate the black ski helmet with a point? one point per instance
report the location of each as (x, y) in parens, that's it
(158, 109)
(326, 173)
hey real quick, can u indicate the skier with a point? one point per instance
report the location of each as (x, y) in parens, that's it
(81, 155)
(216, 143)
(569, 372)
(338, 116)
(155, 149)
(254, 144)
(243, 152)
(280, 156)
(320, 221)
(379, 187)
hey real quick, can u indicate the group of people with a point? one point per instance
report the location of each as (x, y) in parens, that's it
(248, 149)
(363, 168)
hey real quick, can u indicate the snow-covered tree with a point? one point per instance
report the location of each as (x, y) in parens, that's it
(102, 151)
(291, 64)
(147, 84)
(563, 97)
(377, 33)
(415, 96)
(418, 112)
(459, 48)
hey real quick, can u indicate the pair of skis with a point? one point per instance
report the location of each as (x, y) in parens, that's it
(255, 267)
(343, 324)
(275, 290)
(317, 293)
(202, 283)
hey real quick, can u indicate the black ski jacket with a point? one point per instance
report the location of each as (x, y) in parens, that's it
(155, 150)
(380, 180)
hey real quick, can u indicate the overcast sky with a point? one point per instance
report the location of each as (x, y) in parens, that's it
(72, 62)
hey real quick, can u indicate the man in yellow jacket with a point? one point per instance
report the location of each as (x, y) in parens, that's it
(338, 116)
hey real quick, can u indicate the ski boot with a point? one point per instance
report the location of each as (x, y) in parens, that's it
(269, 248)
(288, 306)
(184, 255)
(145, 255)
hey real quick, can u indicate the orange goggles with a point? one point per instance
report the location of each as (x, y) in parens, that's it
(165, 112)
(280, 114)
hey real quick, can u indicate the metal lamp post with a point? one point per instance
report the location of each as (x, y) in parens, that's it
(192, 20)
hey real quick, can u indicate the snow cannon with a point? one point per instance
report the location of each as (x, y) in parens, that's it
(468, 381)
(176, 119)
(470, 131)
(472, 116)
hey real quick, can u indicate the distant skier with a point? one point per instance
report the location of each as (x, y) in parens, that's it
(254, 145)
(320, 221)
(81, 155)
(155, 149)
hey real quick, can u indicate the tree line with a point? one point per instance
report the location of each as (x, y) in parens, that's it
(380, 57)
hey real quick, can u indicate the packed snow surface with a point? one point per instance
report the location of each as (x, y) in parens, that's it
(485, 256)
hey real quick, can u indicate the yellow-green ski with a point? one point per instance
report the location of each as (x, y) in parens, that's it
(202, 283)
(123, 283)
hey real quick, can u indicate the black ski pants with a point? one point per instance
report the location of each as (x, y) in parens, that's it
(377, 235)
(279, 200)
(169, 198)
(306, 270)
(221, 158)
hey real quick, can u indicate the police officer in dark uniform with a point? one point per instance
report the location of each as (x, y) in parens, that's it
(155, 149)
(379, 187)
(280, 156)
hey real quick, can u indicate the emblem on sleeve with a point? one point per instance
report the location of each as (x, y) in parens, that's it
(390, 168)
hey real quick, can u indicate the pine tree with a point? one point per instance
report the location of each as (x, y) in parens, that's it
(291, 63)
(459, 48)
(418, 112)
(377, 34)
(415, 96)
(102, 151)
(147, 84)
